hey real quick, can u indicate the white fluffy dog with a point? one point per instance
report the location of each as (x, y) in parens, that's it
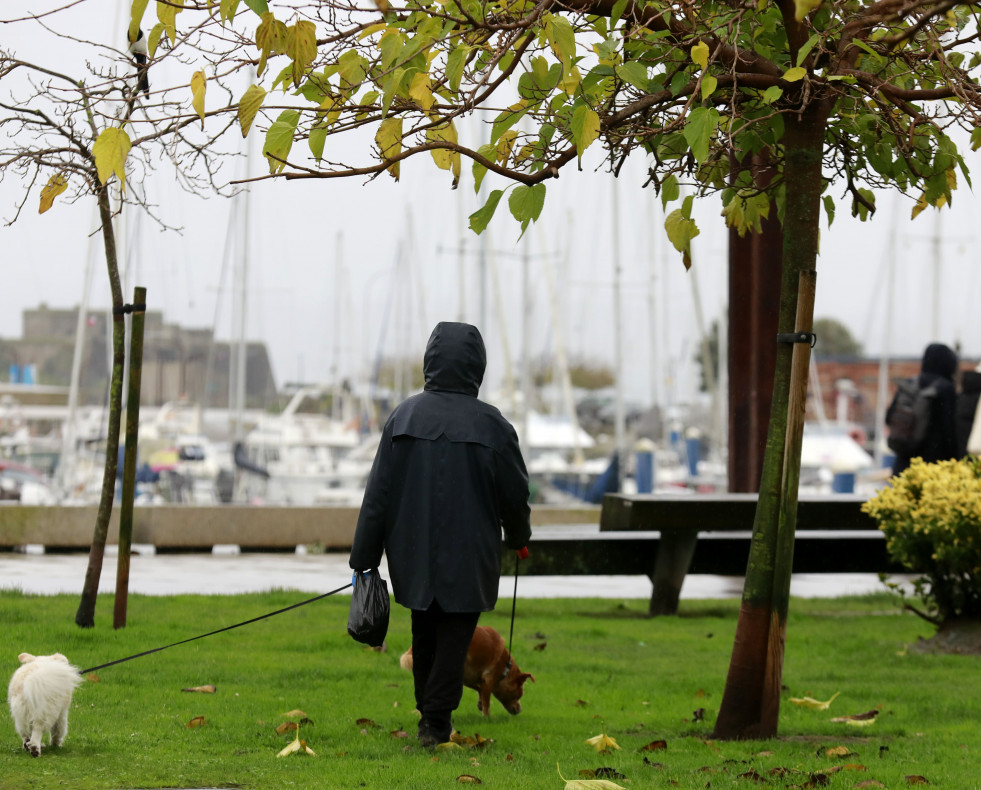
(40, 693)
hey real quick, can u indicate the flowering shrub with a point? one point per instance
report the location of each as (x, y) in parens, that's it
(931, 517)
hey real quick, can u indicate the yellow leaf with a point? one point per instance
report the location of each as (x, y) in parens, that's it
(381, 5)
(249, 105)
(57, 184)
(709, 84)
(206, 689)
(920, 207)
(858, 719)
(804, 7)
(301, 47)
(153, 41)
(296, 746)
(421, 90)
(589, 784)
(167, 14)
(199, 84)
(135, 18)
(602, 742)
(810, 702)
(197, 721)
(296, 713)
(796, 74)
(700, 54)
(445, 158)
(389, 140)
(110, 151)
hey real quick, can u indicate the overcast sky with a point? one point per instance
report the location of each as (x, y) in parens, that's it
(340, 270)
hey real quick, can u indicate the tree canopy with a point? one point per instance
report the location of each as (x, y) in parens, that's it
(698, 93)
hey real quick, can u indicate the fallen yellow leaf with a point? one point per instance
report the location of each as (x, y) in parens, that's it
(197, 721)
(297, 746)
(208, 689)
(810, 702)
(589, 784)
(295, 714)
(602, 743)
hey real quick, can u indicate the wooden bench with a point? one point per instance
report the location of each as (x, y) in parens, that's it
(665, 537)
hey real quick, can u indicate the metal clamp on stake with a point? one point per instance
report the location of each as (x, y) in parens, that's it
(797, 337)
(129, 308)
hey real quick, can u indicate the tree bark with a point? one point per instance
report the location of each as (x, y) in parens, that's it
(85, 616)
(751, 701)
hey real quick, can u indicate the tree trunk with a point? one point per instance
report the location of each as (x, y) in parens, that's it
(751, 700)
(85, 616)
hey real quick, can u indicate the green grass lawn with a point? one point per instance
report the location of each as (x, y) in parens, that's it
(600, 667)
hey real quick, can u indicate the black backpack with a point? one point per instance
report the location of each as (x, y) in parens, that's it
(908, 417)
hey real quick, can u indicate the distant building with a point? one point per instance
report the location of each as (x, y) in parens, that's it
(177, 362)
(849, 387)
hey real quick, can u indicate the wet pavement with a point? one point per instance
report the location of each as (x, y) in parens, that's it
(226, 571)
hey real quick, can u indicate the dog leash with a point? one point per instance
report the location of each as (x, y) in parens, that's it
(514, 602)
(220, 630)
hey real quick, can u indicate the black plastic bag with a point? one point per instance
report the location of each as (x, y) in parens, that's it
(368, 621)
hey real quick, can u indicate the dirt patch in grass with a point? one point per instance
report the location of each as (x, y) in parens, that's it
(958, 637)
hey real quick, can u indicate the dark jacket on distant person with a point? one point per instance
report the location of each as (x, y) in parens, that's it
(967, 407)
(938, 368)
(447, 477)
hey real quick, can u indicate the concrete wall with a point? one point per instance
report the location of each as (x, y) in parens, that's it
(187, 527)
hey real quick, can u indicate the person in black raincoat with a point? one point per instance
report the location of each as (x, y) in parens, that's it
(448, 475)
(938, 368)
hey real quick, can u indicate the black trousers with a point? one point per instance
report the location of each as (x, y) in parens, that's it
(440, 641)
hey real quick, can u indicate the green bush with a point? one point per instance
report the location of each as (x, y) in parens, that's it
(931, 517)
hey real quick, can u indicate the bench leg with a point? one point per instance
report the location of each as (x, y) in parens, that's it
(674, 553)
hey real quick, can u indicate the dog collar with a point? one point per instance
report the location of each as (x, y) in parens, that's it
(507, 669)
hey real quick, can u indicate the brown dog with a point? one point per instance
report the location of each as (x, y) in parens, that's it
(490, 670)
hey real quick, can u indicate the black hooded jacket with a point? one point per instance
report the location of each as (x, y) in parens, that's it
(447, 477)
(967, 407)
(938, 368)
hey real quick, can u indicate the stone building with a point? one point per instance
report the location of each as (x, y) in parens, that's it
(177, 362)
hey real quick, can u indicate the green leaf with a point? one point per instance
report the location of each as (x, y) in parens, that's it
(976, 138)
(795, 74)
(259, 6)
(488, 151)
(681, 230)
(701, 125)
(585, 128)
(700, 55)
(227, 9)
(317, 140)
(482, 216)
(805, 50)
(771, 94)
(561, 37)
(279, 139)
(618, 8)
(709, 84)
(634, 73)
(670, 191)
(455, 62)
(829, 208)
(526, 203)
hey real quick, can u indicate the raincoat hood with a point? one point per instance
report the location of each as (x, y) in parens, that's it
(455, 359)
(939, 360)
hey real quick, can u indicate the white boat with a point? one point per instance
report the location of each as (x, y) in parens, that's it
(306, 455)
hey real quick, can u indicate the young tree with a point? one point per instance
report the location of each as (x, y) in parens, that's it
(99, 134)
(799, 104)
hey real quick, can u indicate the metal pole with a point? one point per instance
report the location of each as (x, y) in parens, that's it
(129, 463)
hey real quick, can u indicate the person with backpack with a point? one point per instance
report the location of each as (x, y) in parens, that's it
(921, 418)
(968, 407)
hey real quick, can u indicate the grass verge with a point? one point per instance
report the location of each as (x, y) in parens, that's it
(601, 666)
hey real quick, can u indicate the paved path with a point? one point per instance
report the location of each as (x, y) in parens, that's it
(228, 572)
